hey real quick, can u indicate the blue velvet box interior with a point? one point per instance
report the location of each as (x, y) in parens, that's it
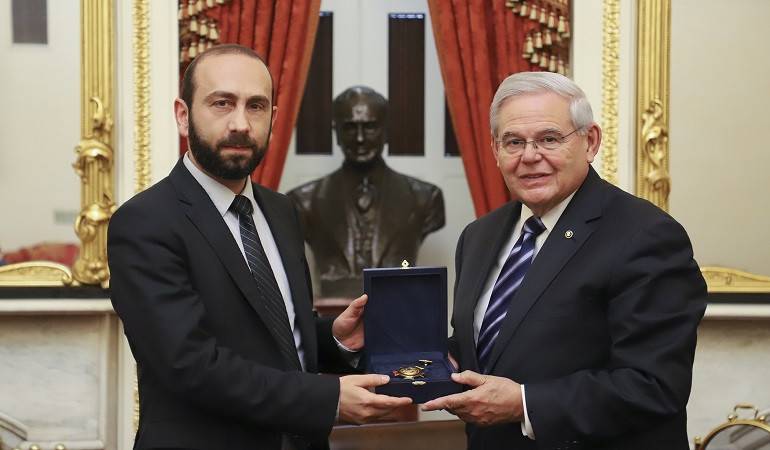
(406, 321)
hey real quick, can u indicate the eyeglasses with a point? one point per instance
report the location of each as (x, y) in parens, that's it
(552, 141)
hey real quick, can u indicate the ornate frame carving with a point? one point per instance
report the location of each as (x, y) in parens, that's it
(94, 163)
(610, 75)
(653, 180)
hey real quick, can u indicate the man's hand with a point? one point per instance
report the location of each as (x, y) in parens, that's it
(492, 400)
(348, 327)
(358, 405)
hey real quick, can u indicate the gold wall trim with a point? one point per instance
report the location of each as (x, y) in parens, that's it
(725, 279)
(141, 46)
(35, 273)
(610, 88)
(652, 100)
(95, 154)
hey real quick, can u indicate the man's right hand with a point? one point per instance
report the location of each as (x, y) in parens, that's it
(358, 405)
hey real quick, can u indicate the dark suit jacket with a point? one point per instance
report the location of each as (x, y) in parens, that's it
(407, 210)
(602, 331)
(210, 372)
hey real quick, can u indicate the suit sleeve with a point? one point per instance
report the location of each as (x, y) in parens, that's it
(164, 320)
(655, 300)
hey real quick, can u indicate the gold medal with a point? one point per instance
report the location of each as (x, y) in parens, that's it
(412, 372)
(409, 372)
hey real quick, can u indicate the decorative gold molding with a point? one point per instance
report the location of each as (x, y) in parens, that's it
(35, 274)
(725, 279)
(141, 43)
(652, 100)
(610, 76)
(141, 39)
(95, 155)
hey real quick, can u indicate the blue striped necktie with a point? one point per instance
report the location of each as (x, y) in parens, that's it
(508, 282)
(268, 287)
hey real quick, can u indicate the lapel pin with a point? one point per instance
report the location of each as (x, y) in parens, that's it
(568, 234)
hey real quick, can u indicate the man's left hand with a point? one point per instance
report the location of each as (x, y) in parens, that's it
(492, 400)
(348, 327)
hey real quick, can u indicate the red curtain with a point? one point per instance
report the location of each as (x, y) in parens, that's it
(283, 33)
(479, 43)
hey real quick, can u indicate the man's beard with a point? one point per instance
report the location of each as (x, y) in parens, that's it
(235, 167)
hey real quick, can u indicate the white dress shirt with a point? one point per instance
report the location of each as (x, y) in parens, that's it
(549, 219)
(223, 197)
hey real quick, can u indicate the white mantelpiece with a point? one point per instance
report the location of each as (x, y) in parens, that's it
(59, 376)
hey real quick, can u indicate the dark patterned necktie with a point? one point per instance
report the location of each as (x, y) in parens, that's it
(263, 275)
(508, 282)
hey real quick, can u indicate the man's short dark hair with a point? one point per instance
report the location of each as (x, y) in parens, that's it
(188, 79)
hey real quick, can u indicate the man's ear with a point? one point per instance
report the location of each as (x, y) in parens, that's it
(495, 153)
(272, 120)
(594, 139)
(182, 116)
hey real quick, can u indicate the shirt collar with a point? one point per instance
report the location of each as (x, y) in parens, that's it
(551, 217)
(220, 195)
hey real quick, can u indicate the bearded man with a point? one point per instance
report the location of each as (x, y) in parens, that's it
(210, 279)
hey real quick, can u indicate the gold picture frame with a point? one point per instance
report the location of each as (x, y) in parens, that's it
(94, 163)
(653, 179)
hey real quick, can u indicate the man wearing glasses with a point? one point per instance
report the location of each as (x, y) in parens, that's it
(578, 330)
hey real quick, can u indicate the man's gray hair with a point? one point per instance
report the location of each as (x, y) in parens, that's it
(524, 83)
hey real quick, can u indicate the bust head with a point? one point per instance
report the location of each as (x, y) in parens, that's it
(360, 121)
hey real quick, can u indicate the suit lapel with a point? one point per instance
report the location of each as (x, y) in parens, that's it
(205, 217)
(391, 200)
(485, 252)
(335, 195)
(578, 218)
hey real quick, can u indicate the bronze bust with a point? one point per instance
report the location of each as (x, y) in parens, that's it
(364, 214)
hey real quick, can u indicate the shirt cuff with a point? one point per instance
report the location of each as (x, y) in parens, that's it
(351, 357)
(526, 425)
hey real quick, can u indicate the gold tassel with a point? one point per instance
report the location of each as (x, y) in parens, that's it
(509, 4)
(529, 48)
(194, 24)
(201, 46)
(552, 64)
(538, 40)
(203, 29)
(547, 38)
(560, 67)
(566, 30)
(560, 26)
(181, 14)
(535, 58)
(184, 56)
(190, 8)
(214, 32)
(220, 2)
(544, 61)
(552, 20)
(523, 10)
(533, 13)
(199, 6)
(209, 44)
(193, 51)
(543, 16)
(209, 4)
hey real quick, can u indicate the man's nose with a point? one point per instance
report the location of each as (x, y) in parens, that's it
(530, 153)
(360, 133)
(238, 120)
